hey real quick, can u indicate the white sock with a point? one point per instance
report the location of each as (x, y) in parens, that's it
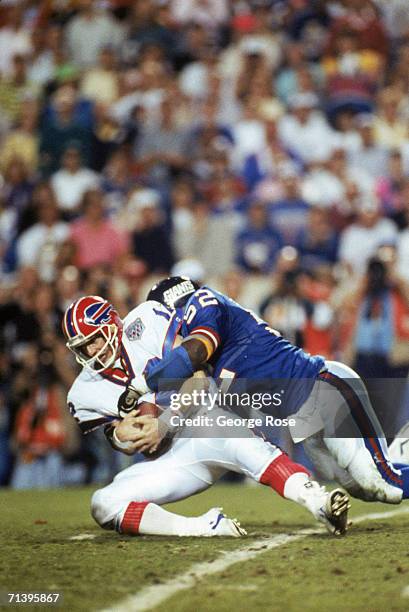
(158, 521)
(295, 486)
(312, 497)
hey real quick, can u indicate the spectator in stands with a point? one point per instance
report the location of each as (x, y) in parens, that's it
(390, 184)
(58, 131)
(95, 238)
(317, 243)
(211, 14)
(150, 23)
(150, 240)
(101, 82)
(351, 75)
(71, 181)
(90, 31)
(361, 240)
(369, 155)
(289, 213)
(336, 184)
(257, 244)
(41, 68)
(16, 88)
(389, 128)
(16, 193)
(261, 168)
(67, 288)
(161, 147)
(284, 309)
(18, 324)
(362, 17)
(182, 202)
(287, 81)
(379, 330)
(395, 18)
(22, 141)
(14, 39)
(38, 246)
(117, 181)
(57, 54)
(42, 430)
(305, 130)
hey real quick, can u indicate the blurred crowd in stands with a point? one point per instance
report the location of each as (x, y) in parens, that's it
(260, 146)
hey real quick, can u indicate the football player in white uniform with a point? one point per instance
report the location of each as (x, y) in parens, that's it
(112, 353)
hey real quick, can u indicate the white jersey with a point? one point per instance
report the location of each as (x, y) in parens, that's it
(149, 332)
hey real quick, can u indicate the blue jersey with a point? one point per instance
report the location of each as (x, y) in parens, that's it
(245, 347)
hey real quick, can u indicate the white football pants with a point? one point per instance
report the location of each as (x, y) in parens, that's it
(190, 466)
(339, 406)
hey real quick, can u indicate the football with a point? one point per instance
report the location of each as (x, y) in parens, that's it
(150, 409)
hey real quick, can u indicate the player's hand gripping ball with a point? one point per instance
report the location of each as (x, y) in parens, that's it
(147, 409)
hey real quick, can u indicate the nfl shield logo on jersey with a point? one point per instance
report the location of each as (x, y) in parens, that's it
(135, 330)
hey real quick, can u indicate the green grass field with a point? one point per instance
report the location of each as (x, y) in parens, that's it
(367, 570)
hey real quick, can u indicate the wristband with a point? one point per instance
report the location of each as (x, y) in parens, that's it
(118, 444)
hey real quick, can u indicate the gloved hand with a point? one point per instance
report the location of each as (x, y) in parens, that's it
(128, 400)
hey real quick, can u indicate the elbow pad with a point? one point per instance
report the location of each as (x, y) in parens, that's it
(175, 366)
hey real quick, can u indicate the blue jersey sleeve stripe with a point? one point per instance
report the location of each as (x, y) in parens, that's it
(173, 329)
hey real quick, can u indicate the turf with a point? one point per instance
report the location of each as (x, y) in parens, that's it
(366, 571)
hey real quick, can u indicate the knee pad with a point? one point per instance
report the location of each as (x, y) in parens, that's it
(342, 449)
(101, 510)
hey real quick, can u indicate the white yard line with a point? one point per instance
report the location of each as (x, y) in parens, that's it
(151, 596)
(83, 536)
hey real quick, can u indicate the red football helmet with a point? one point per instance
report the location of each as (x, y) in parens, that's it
(87, 318)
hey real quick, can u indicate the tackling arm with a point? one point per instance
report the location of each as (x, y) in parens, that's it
(204, 323)
(181, 362)
(178, 365)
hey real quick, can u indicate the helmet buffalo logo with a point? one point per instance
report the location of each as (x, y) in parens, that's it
(98, 313)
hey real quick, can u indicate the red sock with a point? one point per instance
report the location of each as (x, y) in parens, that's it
(132, 518)
(277, 473)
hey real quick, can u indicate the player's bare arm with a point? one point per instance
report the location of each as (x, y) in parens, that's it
(199, 350)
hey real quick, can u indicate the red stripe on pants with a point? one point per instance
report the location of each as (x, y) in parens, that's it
(279, 471)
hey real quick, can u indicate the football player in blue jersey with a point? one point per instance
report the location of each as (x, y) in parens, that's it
(333, 414)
